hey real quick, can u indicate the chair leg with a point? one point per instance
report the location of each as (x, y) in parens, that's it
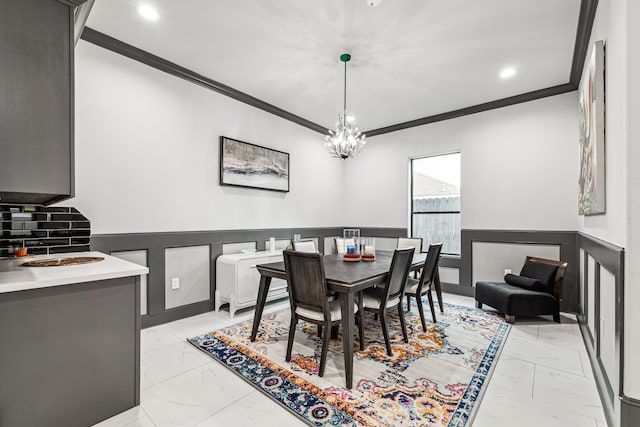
(408, 303)
(478, 304)
(402, 323)
(334, 332)
(556, 317)
(510, 318)
(325, 347)
(431, 306)
(421, 311)
(385, 332)
(436, 283)
(292, 331)
(361, 321)
(319, 331)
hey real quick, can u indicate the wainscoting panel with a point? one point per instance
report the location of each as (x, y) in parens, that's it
(382, 243)
(607, 327)
(280, 244)
(140, 258)
(236, 248)
(162, 308)
(449, 275)
(491, 259)
(190, 266)
(601, 319)
(565, 240)
(582, 283)
(456, 271)
(590, 274)
(329, 245)
(387, 244)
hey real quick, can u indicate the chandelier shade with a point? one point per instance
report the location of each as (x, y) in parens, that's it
(346, 140)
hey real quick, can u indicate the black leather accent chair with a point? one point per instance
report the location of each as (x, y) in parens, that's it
(534, 292)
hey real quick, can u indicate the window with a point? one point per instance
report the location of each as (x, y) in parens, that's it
(435, 201)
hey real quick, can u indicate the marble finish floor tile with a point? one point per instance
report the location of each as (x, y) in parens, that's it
(497, 411)
(134, 417)
(512, 378)
(157, 337)
(540, 353)
(169, 361)
(564, 335)
(586, 364)
(255, 409)
(572, 393)
(190, 398)
(543, 378)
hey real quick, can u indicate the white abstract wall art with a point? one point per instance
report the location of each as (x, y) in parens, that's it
(248, 165)
(591, 98)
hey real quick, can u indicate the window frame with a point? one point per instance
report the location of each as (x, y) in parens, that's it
(411, 198)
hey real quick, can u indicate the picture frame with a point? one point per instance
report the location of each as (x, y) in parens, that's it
(253, 166)
(591, 99)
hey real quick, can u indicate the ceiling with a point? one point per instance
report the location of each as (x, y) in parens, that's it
(410, 58)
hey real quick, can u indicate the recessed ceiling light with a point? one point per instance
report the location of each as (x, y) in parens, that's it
(508, 72)
(148, 12)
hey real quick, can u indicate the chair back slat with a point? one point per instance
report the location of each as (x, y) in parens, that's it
(430, 266)
(410, 242)
(398, 272)
(306, 279)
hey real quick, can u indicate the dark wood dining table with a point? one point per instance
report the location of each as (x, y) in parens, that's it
(346, 279)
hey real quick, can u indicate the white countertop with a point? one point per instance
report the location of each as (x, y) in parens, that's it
(14, 277)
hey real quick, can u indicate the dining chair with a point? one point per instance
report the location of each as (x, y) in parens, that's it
(410, 242)
(341, 245)
(304, 246)
(379, 299)
(417, 288)
(309, 300)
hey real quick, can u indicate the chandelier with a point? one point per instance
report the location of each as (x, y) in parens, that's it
(346, 140)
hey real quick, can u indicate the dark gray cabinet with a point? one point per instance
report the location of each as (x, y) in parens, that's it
(36, 101)
(69, 354)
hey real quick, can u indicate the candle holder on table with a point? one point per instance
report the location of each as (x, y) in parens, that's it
(368, 249)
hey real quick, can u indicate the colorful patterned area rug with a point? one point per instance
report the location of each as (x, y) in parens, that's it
(437, 379)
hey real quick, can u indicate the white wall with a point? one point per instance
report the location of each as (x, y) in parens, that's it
(519, 168)
(617, 24)
(147, 160)
(609, 26)
(632, 256)
(147, 147)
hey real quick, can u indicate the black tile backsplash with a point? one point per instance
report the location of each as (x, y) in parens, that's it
(65, 249)
(43, 230)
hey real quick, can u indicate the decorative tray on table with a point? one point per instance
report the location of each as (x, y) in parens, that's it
(368, 258)
(351, 257)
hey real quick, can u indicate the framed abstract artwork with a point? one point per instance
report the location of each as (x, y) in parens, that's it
(591, 98)
(248, 165)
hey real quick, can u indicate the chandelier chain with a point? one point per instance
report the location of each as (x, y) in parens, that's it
(346, 140)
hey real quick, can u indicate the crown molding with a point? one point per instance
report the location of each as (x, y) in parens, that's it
(107, 42)
(586, 18)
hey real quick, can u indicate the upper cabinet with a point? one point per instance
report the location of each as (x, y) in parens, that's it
(36, 101)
